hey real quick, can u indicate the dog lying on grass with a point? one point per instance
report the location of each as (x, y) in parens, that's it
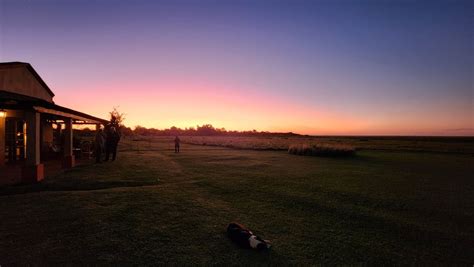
(243, 237)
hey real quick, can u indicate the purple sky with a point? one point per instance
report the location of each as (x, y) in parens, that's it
(316, 67)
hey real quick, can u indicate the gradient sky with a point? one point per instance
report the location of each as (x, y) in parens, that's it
(314, 67)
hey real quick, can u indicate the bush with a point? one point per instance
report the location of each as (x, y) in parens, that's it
(330, 150)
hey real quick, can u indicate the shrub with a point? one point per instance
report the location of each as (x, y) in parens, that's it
(330, 150)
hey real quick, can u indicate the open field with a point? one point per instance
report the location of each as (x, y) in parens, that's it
(153, 206)
(463, 145)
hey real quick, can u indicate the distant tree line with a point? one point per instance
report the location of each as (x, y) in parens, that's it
(204, 130)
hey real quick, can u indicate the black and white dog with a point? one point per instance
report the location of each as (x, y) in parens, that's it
(245, 238)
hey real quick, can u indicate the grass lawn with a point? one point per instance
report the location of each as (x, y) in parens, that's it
(153, 206)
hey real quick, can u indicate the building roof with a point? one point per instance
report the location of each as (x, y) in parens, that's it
(31, 70)
(9, 100)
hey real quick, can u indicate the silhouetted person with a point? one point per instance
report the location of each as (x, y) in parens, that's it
(111, 143)
(99, 145)
(176, 144)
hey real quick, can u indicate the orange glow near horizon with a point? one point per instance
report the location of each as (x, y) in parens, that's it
(172, 104)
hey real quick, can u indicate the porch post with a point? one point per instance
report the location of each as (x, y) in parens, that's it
(68, 161)
(2, 140)
(34, 170)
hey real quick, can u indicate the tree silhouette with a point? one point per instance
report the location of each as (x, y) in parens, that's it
(116, 118)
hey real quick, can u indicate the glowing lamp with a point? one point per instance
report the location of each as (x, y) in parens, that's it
(3, 113)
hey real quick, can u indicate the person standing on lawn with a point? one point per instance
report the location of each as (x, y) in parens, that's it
(99, 145)
(111, 143)
(176, 144)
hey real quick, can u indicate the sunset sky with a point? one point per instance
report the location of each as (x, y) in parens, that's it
(314, 67)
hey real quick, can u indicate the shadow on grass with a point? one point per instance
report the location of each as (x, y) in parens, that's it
(77, 179)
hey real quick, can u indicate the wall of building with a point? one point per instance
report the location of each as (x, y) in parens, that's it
(10, 136)
(18, 79)
(11, 113)
(2, 141)
(8, 174)
(46, 136)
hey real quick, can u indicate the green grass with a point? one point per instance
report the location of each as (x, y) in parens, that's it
(153, 206)
(324, 150)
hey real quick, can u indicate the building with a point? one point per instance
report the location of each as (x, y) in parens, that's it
(33, 129)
